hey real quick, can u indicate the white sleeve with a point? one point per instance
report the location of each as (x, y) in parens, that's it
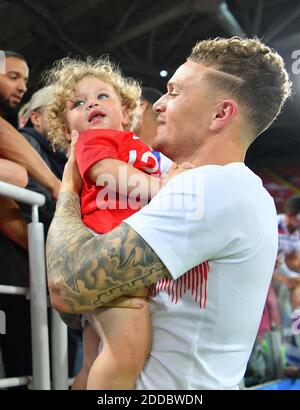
(199, 215)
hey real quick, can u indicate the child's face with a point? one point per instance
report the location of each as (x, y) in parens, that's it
(95, 105)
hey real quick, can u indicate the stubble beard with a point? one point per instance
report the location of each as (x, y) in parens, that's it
(5, 108)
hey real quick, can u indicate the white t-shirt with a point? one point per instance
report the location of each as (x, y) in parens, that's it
(205, 321)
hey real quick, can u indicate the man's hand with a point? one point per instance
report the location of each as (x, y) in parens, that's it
(72, 181)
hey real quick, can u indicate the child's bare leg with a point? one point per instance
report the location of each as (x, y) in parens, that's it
(90, 342)
(126, 340)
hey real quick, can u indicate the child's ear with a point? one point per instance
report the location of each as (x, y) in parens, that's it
(125, 119)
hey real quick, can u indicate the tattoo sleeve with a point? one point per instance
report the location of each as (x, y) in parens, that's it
(86, 272)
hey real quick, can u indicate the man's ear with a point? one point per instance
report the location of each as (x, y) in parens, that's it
(125, 118)
(225, 111)
(144, 106)
(35, 118)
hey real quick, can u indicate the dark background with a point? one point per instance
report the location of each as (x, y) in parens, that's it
(146, 36)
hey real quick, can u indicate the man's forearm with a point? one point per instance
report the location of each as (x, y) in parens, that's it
(13, 146)
(86, 271)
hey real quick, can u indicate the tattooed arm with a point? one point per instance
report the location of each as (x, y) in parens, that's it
(86, 271)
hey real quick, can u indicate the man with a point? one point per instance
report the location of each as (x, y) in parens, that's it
(17, 160)
(13, 84)
(207, 242)
(148, 125)
(14, 148)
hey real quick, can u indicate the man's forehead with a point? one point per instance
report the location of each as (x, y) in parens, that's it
(196, 71)
(16, 64)
(188, 71)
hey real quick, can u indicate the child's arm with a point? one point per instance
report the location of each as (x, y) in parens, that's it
(120, 171)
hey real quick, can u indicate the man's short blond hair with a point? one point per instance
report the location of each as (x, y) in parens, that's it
(250, 72)
(64, 76)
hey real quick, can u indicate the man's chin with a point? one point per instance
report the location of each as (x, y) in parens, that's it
(7, 107)
(158, 142)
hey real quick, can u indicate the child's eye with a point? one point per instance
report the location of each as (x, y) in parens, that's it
(78, 103)
(102, 96)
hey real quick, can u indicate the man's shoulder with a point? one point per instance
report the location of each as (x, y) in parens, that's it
(236, 177)
(233, 191)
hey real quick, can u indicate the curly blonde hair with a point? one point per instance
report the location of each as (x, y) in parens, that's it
(64, 76)
(249, 71)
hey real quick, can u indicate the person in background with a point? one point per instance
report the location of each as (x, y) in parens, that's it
(148, 125)
(17, 160)
(34, 118)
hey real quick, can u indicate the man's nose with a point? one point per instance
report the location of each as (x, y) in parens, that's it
(22, 87)
(160, 105)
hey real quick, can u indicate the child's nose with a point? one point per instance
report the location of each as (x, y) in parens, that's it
(92, 103)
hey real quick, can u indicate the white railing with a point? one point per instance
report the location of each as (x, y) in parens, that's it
(40, 379)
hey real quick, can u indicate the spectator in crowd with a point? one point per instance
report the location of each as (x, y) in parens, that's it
(148, 125)
(13, 83)
(17, 160)
(287, 269)
(286, 277)
(37, 136)
(12, 146)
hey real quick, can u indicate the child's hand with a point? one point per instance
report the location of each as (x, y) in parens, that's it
(72, 181)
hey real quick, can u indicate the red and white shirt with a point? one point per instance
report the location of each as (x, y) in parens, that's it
(101, 209)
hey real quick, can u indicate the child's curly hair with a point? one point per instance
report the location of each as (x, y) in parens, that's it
(64, 76)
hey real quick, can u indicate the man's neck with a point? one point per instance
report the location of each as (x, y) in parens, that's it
(214, 154)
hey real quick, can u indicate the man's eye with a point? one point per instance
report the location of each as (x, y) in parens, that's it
(102, 96)
(78, 103)
(12, 76)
